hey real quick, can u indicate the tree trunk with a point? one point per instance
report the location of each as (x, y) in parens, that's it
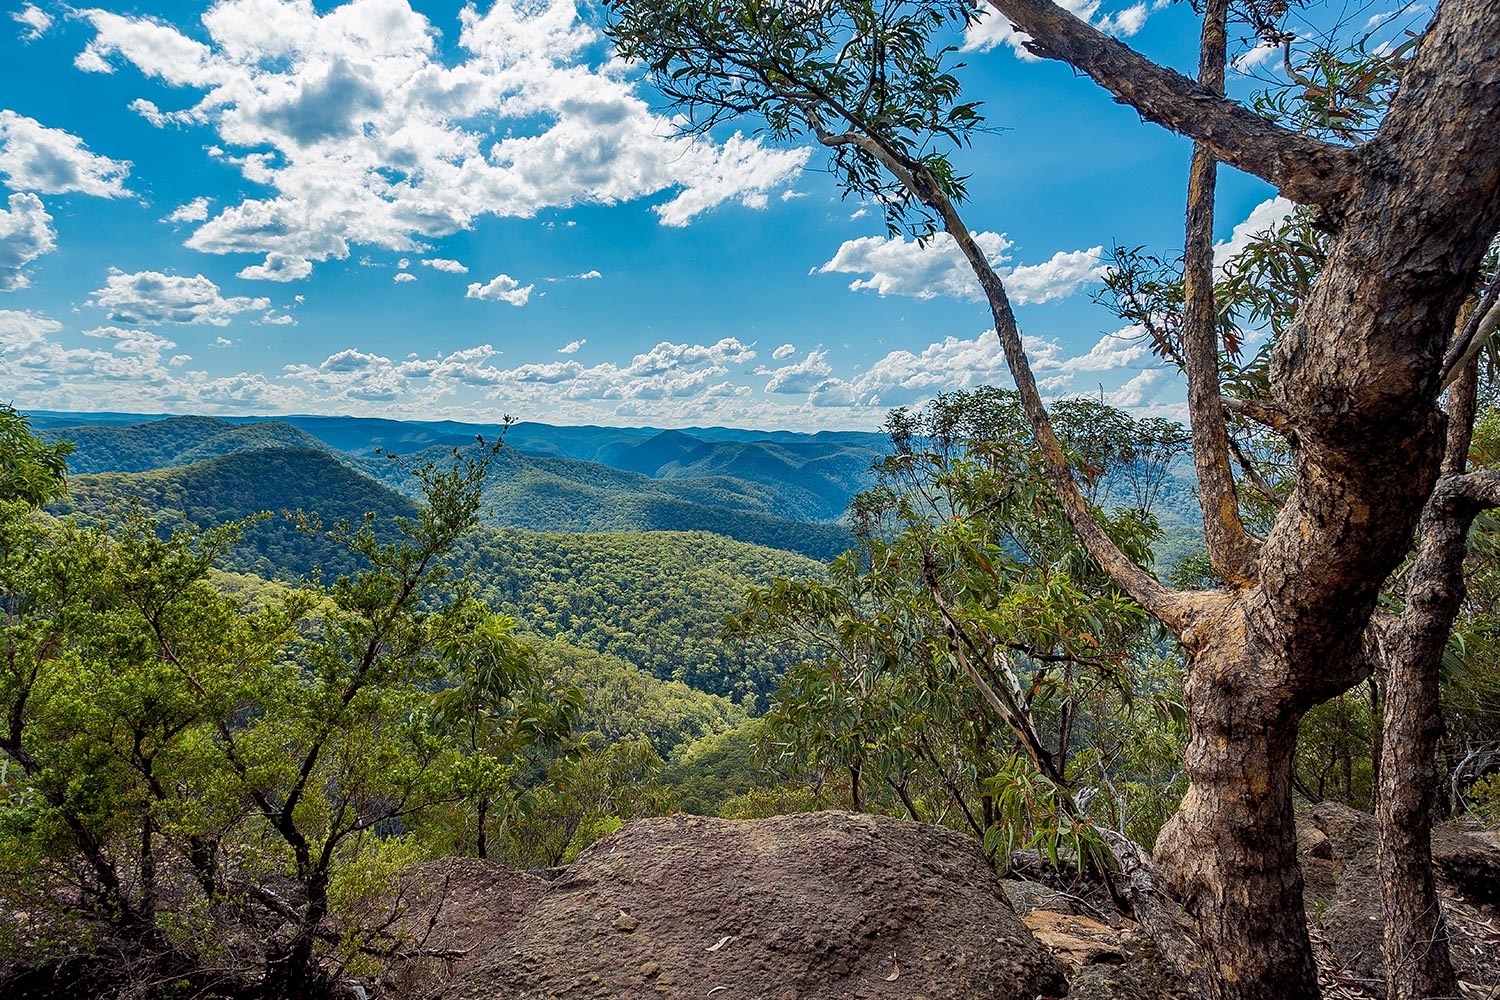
(1230, 853)
(1414, 940)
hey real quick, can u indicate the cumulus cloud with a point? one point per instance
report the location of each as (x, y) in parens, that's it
(993, 29)
(127, 371)
(783, 352)
(903, 377)
(1262, 219)
(277, 267)
(194, 211)
(26, 233)
(145, 343)
(586, 275)
(1124, 349)
(803, 377)
(366, 131)
(898, 266)
(46, 160)
(151, 298)
(1064, 274)
(501, 288)
(404, 276)
(33, 20)
(1141, 391)
(654, 381)
(444, 264)
(572, 346)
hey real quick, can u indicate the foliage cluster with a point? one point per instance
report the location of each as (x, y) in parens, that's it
(207, 785)
(972, 665)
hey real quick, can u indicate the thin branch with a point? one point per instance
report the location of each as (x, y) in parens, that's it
(1479, 327)
(1253, 476)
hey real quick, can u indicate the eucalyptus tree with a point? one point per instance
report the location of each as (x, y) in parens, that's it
(971, 660)
(1353, 383)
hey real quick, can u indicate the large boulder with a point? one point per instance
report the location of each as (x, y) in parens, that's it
(828, 905)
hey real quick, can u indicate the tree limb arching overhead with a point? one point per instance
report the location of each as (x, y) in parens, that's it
(1304, 169)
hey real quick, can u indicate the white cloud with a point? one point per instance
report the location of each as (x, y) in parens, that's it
(367, 132)
(277, 267)
(572, 346)
(898, 266)
(24, 331)
(550, 373)
(404, 276)
(34, 19)
(146, 343)
(222, 342)
(501, 288)
(1262, 218)
(653, 381)
(993, 29)
(40, 369)
(1141, 391)
(26, 233)
(1124, 349)
(783, 352)
(1064, 274)
(152, 298)
(905, 377)
(444, 264)
(586, 276)
(803, 377)
(194, 211)
(52, 161)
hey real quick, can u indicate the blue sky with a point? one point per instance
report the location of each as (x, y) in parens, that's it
(422, 210)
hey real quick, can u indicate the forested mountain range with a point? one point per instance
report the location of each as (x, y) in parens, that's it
(581, 571)
(769, 492)
(655, 599)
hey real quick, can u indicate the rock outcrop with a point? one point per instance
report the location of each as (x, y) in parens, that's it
(833, 906)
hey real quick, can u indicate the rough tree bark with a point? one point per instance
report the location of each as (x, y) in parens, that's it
(1414, 942)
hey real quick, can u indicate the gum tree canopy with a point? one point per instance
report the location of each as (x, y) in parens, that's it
(1355, 381)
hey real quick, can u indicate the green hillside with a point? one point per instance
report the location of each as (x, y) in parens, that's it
(231, 487)
(162, 444)
(655, 599)
(816, 479)
(548, 493)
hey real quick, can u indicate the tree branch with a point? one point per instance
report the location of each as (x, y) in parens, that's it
(1478, 328)
(1264, 413)
(1231, 549)
(1304, 169)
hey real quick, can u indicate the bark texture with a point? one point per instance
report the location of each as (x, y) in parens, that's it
(1415, 942)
